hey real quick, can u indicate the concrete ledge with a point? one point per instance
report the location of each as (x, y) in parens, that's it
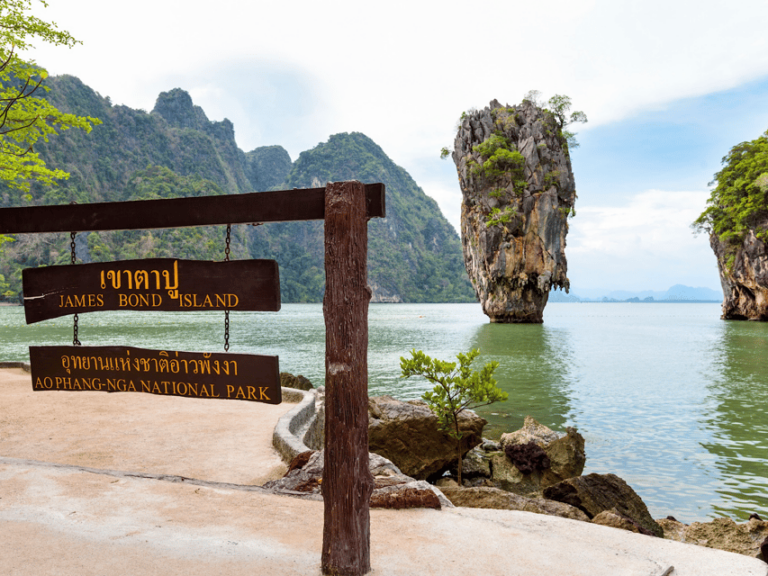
(286, 439)
(23, 365)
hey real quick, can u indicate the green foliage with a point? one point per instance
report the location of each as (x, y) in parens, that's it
(498, 193)
(444, 153)
(552, 179)
(455, 389)
(739, 201)
(559, 105)
(500, 158)
(25, 117)
(499, 217)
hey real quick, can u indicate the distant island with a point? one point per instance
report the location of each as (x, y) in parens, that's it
(676, 294)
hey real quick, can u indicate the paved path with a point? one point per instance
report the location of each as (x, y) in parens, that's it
(93, 484)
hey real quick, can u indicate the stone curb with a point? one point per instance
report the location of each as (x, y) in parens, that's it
(23, 365)
(285, 438)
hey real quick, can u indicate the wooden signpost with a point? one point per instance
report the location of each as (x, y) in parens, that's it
(180, 285)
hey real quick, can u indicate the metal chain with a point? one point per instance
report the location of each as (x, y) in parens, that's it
(226, 312)
(75, 340)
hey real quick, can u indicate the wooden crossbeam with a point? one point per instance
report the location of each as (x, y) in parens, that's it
(255, 207)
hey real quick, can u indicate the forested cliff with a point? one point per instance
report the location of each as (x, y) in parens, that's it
(736, 219)
(414, 254)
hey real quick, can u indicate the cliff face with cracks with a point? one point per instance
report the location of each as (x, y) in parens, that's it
(743, 276)
(518, 191)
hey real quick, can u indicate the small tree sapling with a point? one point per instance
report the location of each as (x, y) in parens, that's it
(456, 389)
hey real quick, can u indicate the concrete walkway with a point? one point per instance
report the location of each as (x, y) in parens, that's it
(94, 484)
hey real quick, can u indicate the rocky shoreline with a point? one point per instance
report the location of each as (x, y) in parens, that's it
(534, 469)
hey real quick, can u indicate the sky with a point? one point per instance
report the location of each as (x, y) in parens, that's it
(668, 88)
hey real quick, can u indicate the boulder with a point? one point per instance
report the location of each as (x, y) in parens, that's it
(288, 380)
(392, 488)
(565, 458)
(527, 458)
(721, 533)
(615, 519)
(476, 464)
(484, 497)
(531, 431)
(408, 434)
(596, 493)
(399, 497)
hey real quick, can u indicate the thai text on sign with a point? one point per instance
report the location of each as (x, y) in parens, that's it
(154, 284)
(249, 377)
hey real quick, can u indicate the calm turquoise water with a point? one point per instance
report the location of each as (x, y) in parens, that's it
(667, 396)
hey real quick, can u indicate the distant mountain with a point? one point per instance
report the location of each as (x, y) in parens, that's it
(677, 293)
(414, 254)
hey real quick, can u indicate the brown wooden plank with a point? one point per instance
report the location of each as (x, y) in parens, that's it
(347, 481)
(279, 206)
(153, 284)
(167, 373)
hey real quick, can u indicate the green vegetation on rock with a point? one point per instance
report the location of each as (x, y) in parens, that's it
(739, 201)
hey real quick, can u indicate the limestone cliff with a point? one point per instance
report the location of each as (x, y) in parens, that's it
(518, 191)
(743, 276)
(736, 219)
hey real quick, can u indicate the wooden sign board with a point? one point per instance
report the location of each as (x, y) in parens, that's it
(247, 377)
(154, 284)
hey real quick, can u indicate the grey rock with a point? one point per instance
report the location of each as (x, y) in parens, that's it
(408, 434)
(721, 533)
(477, 463)
(514, 265)
(596, 493)
(484, 497)
(288, 380)
(565, 452)
(392, 488)
(744, 277)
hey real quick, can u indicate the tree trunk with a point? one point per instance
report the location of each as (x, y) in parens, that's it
(458, 445)
(347, 481)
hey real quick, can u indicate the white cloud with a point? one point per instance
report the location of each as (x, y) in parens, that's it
(646, 243)
(402, 72)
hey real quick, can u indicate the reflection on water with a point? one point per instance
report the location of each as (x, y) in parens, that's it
(667, 396)
(535, 363)
(738, 419)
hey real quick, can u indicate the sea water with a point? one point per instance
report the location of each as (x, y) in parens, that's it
(668, 396)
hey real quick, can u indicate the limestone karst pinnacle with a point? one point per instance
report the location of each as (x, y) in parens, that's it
(518, 191)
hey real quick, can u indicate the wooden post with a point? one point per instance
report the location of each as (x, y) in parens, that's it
(347, 481)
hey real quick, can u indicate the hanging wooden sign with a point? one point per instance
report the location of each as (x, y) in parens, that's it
(249, 377)
(154, 284)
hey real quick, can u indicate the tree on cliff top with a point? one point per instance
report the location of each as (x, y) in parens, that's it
(25, 117)
(559, 105)
(739, 201)
(455, 390)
